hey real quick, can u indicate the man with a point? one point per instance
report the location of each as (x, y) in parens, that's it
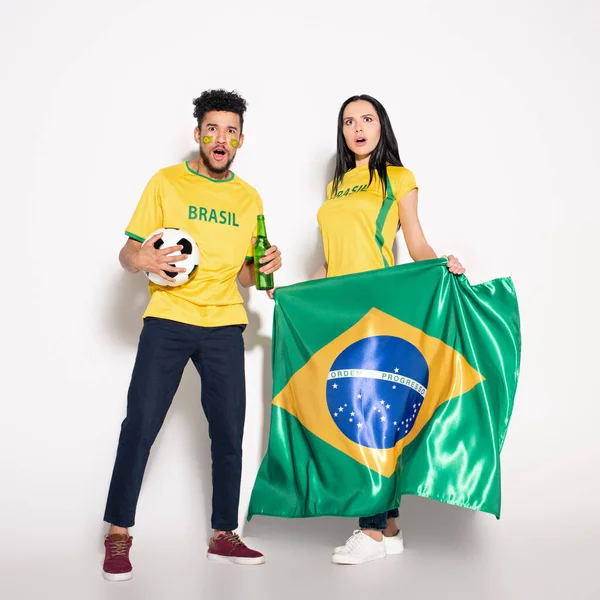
(202, 320)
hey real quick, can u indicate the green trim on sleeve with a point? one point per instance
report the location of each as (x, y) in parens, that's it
(250, 258)
(382, 216)
(137, 238)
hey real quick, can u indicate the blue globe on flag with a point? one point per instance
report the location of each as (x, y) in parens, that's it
(375, 389)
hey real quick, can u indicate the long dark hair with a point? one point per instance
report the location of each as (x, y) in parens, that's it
(385, 153)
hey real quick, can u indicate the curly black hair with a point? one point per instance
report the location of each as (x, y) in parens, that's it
(219, 100)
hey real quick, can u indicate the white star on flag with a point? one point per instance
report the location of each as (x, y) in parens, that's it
(396, 370)
(382, 402)
(383, 418)
(395, 422)
(387, 405)
(393, 387)
(359, 396)
(350, 420)
(341, 409)
(351, 414)
(360, 425)
(335, 414)
(335, 386)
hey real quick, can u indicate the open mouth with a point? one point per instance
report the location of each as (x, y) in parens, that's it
(219, 154)
(360, 141)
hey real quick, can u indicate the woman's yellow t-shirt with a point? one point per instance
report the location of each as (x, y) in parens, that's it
(359, 224)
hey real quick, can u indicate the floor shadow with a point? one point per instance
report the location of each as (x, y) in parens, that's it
(426, 525)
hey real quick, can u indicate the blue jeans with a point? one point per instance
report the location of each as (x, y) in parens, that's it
(378, 522)
(165, 347)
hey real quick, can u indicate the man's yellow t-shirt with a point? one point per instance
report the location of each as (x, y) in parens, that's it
(221, 217)
(359, 224)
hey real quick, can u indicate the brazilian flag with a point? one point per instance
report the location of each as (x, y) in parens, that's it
(389, 382)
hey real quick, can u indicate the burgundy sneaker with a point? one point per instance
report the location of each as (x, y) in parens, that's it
(116, 559)
(229, 548)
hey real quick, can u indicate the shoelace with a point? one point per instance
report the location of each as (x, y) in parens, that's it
(234, 538)
(353, 540)
(118, 548)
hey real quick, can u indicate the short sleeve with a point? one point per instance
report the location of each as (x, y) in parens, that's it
(406, 182)
(260, 211)
(148, 215)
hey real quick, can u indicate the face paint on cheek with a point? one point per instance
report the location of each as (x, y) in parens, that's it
(207, 139)
(234, 143)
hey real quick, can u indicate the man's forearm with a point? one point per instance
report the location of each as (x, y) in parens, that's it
(126, 257)
(246, 275)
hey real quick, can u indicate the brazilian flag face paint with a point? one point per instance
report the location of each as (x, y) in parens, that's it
(207, 139)
(234, 142)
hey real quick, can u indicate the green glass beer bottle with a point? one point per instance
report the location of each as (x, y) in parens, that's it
(263, 281)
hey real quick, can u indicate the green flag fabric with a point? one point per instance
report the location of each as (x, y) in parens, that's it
(389, 382)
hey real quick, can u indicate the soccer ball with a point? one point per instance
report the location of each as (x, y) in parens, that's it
(176, 237)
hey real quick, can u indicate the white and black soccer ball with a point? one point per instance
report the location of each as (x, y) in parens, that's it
(176, 237)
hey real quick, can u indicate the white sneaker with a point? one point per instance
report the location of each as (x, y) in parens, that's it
(359, 548)
(393, 544)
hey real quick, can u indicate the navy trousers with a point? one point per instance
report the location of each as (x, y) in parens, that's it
(378, 522)
(164, 349)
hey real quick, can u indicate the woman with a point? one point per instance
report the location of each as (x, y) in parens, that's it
(371, 196)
